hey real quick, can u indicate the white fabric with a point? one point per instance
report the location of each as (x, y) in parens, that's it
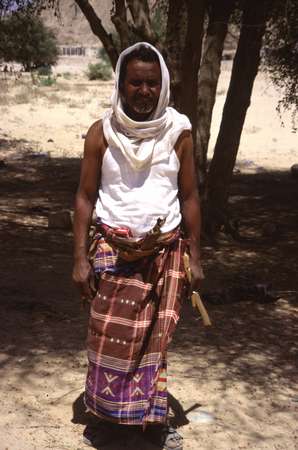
(136, 199)
(144, 143)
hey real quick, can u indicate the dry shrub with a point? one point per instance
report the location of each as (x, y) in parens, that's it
(25, 94)
(72, 104)
(64, 86)
(4, 101)
(67, 75)
(54, 98)
(77, 103)
(21, 98)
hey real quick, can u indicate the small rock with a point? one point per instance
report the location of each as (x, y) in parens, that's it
(200, 417)
(294, 171)
(50, 140)
(39, 155)
(61, 220)
(247, 163)
(264, 294)
(38, 209)
(84, 136)
(21, 360)
(269, 229)
(260, 169)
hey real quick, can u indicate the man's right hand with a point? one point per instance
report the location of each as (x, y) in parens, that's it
(83, 276)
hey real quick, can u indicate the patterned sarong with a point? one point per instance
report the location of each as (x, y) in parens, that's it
(132, 318)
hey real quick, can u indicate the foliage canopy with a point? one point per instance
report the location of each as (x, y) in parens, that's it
(281, 51)
(26, 40)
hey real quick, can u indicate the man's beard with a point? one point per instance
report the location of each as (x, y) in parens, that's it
(144, 106)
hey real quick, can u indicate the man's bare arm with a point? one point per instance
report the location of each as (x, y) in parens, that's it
(84, 204)
(190, 204)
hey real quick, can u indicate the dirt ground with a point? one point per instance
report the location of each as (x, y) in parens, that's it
(233, 386)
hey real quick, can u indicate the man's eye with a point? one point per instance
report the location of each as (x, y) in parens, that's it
(150, 83)
(136, 82)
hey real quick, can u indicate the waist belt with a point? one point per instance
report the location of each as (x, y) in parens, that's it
(130, 248)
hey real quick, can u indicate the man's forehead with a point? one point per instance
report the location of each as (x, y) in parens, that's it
(139, 67)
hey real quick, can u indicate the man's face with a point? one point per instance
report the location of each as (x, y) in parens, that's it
(141, 89)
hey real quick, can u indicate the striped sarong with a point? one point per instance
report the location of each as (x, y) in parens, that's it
(132, 319)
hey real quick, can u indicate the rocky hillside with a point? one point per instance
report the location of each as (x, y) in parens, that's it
(72, 27)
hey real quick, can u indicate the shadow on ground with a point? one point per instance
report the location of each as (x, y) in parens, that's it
(133, 438)
(41, 310)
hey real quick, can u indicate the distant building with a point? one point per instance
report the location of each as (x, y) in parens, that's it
(78, 50)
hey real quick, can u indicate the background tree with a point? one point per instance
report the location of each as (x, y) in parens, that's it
(26, 40)
(218, 19)
(280, 53)
(245, 68)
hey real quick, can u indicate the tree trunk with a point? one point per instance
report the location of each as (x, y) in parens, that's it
(213, 45)
(175, 41)
(119, 19)
(245, 68)
(191, 58)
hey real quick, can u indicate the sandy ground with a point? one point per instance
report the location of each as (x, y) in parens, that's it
(64, 112)
(233, 386)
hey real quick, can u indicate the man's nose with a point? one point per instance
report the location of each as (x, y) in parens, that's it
(144, 89)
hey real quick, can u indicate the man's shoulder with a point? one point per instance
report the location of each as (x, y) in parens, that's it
(95, 136)
(95, 129)
(181, 127)
(184, 138)
(184, 144)
(179, 118)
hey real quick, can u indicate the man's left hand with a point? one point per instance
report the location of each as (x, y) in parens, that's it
(197, 274)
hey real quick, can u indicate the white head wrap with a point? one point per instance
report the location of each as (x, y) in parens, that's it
(144, 143)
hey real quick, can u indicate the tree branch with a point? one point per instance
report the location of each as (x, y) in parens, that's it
(98, 29)
(119, 19)
(139, 10)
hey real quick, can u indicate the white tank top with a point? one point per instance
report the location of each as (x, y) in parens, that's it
(136, 199)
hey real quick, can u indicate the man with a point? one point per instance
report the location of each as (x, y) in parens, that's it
(138, 168)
